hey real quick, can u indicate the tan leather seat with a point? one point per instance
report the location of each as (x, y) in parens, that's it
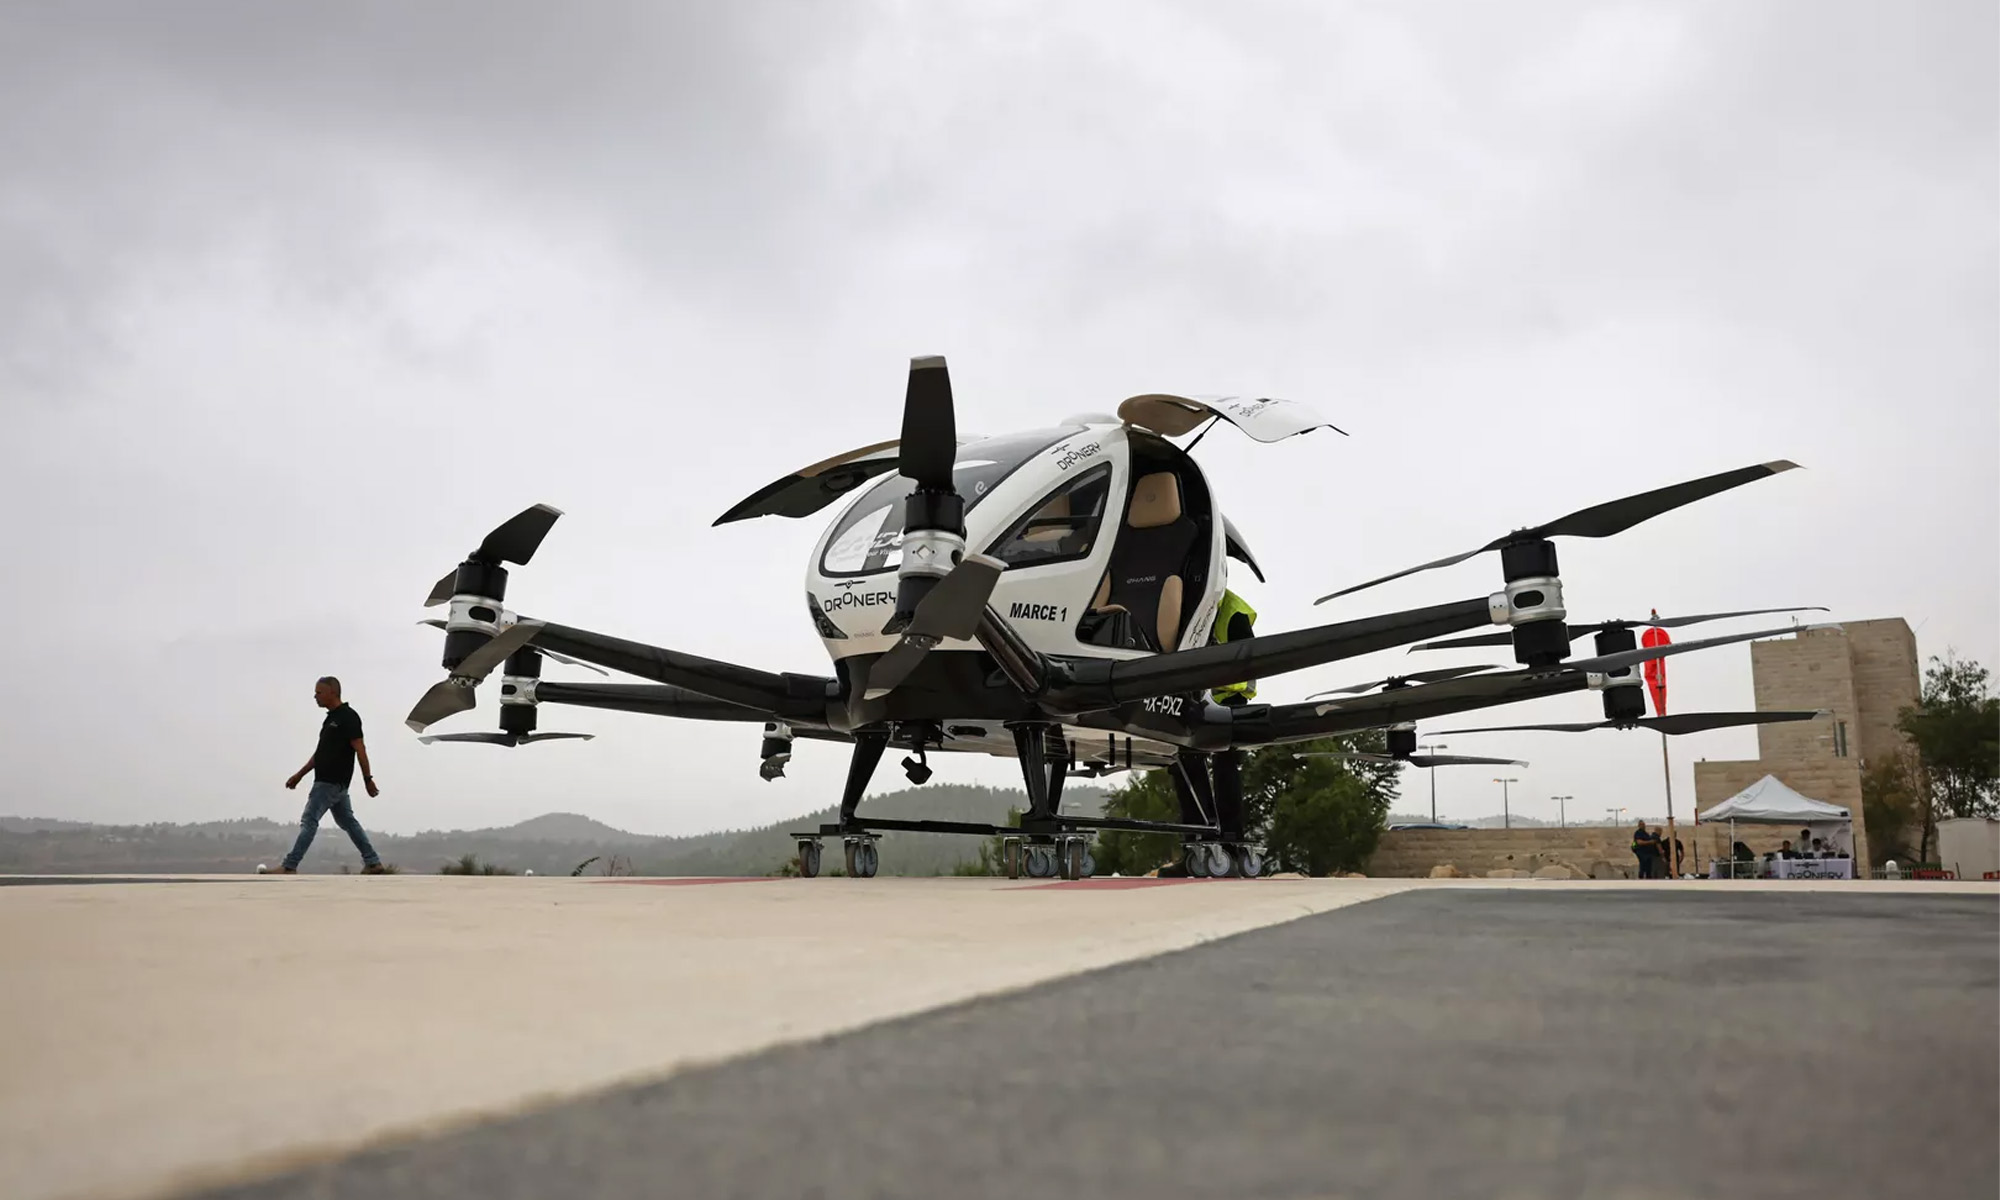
(1145, 567)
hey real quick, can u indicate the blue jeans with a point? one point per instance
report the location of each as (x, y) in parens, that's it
(324, 798)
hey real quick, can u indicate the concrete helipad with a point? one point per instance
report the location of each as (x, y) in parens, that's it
(372, 1036)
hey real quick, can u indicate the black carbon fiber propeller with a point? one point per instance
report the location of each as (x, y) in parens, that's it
(1672, 723)
(1577, 631)
(1600, 520)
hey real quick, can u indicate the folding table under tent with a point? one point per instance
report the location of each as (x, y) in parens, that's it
(1769, 802)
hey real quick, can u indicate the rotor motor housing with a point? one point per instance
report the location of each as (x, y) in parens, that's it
(477, 592)
(1624, 699)
(521, 672)
(1535, 603)
(1402, 741)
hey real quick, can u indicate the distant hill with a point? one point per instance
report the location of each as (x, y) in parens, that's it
(554, 843)
(564, 827)
(38, 824)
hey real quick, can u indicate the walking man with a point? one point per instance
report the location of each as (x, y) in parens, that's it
(332, 765)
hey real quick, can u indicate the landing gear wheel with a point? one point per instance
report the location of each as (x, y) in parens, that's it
(1249, 861)
(1010, 856)
(1218, 864)
(861, 858)
(1041, 862)
(1072, 859)
(808, 859)
(1195, 860)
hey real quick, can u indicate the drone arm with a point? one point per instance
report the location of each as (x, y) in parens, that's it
(653, 699)
(1303, 722)
(788, 696)
(1103, 684)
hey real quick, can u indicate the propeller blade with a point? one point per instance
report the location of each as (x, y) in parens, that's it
(442, 590)
(1503, 638)
(929, 445)
(1673, 723)
(1602, 520)
(948, 612)
(445, 698)
(517, 539)
(1675, 623)
(455, 694)
(564, 659)
(480, 663)
(567, 661)
(1437, 676)
(1676, 723)
(1429, 566)
(1461, 760)
(1632, 658)
(499, 739)
(1356, 755)
(1616, 516)
(1506, 638)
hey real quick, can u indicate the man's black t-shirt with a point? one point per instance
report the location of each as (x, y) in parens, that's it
(333, 762)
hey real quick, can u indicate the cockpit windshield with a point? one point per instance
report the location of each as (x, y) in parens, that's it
(869, 538)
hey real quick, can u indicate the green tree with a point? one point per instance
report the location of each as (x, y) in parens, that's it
(992, 858)
(1144, 796)
(469, 864)
(1325, 814)
(1316, 815)
(1955, 727)
(1891, 807)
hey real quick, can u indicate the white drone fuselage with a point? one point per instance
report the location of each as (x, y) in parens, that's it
(1044, 598)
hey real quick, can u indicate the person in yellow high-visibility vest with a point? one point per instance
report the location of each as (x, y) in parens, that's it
(1234, 621)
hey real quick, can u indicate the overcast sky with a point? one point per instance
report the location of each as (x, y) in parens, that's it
(298, 300)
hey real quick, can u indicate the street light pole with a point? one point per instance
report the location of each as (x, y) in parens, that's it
(1506, 813)
(1433, 771)
(1562, 818)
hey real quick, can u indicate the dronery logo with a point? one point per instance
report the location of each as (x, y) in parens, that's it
(1077, 454)
(857, 600)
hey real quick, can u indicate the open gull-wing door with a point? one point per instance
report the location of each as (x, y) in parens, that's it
(1238, 549)
(809, 489)
(1263, 418)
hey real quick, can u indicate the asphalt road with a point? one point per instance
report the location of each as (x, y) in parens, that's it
(1498, 1044)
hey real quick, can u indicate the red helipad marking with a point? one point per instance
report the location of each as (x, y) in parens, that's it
(1104, 885)
(691, 880)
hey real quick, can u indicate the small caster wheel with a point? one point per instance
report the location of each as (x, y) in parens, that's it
(1072, 859)
(1010, 856)
(1218, 864)
(1196, 860)
(1250, 862)
(867, 858)
(1089, 865)
(1041, 862)
(808, 859)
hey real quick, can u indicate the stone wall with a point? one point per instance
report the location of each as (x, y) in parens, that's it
(1887, 678)
(1597, 851)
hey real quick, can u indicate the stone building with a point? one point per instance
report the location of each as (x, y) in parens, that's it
(1861, 673)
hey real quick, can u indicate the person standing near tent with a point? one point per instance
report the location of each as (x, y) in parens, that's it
(1645, 848)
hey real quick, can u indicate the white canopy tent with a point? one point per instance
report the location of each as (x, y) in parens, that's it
(1770, 802)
